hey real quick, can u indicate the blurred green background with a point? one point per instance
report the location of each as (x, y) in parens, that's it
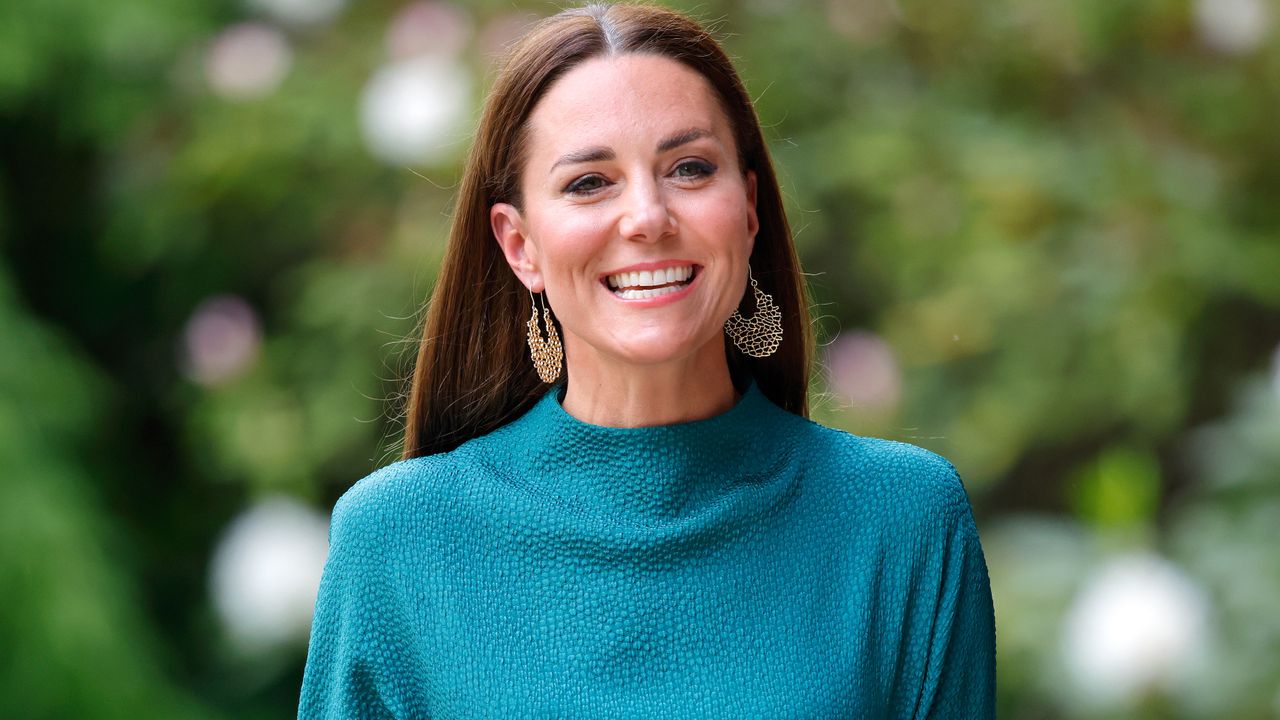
(1043, 239)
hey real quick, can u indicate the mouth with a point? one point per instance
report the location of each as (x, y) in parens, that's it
(644, 284)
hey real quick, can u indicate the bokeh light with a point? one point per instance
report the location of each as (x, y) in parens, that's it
(1275, 371)
(412, 111)
(428, 28)
(1138, 625)
(1233, 26)
(221, 341)
(247, 61)
(265, 573)
(299, 12)
(863, 372)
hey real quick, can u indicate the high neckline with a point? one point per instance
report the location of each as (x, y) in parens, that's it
(642, 475)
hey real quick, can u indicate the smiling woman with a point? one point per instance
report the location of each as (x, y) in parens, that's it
(641, 522)
(614, 139)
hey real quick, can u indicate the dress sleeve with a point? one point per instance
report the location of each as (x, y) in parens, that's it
(960, 673)
(344, 676)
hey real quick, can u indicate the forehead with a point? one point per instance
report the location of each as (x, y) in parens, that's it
(610, 100)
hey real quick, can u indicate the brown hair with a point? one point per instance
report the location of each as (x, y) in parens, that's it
(473, 371)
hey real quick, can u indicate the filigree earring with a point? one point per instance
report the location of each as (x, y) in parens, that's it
(547, 353)
(759, 335)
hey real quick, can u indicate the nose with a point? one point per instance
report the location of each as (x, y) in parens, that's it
(645, 214)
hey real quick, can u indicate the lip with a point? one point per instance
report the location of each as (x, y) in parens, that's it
(661, 299)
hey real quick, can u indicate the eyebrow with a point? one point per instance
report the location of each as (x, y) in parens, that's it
(595, 154)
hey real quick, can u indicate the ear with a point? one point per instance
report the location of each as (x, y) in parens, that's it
(753, 222)
(520, 252)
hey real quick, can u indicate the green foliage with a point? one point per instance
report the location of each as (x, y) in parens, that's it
(1121, 489)
(77, 643)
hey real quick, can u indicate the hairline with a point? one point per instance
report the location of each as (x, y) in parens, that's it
(610, 50)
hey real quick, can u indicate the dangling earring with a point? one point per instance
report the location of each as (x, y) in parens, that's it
(547, 354)
(760, 335)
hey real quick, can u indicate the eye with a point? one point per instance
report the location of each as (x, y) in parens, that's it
(585, 185)
(694, 169)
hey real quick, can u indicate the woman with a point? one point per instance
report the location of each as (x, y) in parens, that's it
(639, 520)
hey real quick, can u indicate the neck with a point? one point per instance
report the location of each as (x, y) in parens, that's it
(692, 472)
(604, 391)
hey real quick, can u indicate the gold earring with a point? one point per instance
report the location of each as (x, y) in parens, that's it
(547, 354)
(759, 335)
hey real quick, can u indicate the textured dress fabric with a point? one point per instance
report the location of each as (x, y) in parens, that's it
(754, 564)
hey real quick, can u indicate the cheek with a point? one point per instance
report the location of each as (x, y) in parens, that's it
(570, 243)
(721, 217)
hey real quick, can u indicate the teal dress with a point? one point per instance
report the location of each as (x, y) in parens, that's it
(753, 564)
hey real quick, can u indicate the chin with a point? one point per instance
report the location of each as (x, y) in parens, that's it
(650, 355)
(659, 350)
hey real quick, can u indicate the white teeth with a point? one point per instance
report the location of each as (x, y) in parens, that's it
(635, 294)
(650, 278)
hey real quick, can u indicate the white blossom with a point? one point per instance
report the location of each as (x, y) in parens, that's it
(299, 12)
(266, 572)
(415, 111)
(1137, 626)
(1232, 26)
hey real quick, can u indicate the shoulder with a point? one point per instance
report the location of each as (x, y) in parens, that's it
(900, 459)
(876, 470)
(376, 502)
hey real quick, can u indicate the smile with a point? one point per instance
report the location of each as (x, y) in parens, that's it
(644, 284)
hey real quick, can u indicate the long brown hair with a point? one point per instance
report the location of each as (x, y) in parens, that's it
(473, 371)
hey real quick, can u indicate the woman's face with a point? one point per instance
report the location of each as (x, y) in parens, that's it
(631, 183)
